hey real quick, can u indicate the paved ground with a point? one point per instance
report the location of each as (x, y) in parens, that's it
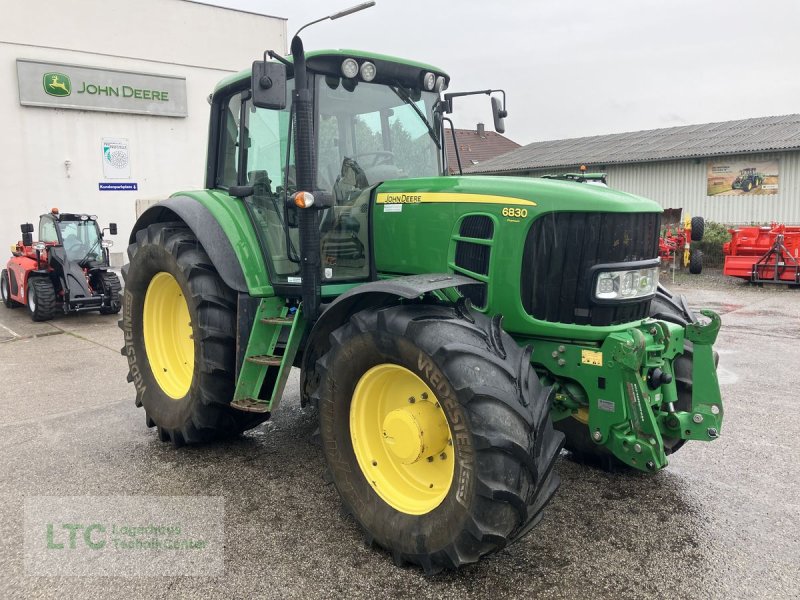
(723, 521)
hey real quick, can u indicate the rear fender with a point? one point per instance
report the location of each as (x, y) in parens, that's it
(207, 230)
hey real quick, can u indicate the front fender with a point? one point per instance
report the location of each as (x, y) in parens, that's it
(369, 295)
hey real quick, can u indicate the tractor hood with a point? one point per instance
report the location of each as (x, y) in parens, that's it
(546, 195)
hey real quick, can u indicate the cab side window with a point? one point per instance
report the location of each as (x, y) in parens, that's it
(228, 159)
(47, 230)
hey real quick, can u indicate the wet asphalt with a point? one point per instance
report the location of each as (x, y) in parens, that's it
(722, 521)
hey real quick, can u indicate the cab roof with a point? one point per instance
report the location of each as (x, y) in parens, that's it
(341, 54)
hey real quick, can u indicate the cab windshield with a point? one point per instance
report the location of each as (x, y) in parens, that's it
(81, 240)
(369, 133)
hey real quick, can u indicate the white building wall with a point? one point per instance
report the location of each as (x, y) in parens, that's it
(167, 154)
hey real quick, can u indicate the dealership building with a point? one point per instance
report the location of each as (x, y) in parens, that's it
(105, 102)
(731, 172)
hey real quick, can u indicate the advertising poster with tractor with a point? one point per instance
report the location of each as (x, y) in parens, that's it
(737, 177)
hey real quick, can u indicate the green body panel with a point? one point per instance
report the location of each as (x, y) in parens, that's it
(232, 216)
(421, 237)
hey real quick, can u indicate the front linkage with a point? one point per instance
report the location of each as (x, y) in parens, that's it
(625, 392)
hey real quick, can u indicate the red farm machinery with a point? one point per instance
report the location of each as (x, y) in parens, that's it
(677, 234)
(764, 254)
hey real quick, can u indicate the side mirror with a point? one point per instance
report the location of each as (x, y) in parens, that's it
(498, 114)
(27, 239)
(112, 228)
(26, 228)
(269, 85)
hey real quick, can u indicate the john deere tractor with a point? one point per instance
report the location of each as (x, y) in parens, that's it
(442, 324)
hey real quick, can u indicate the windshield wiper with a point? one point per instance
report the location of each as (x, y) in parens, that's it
(403, 95)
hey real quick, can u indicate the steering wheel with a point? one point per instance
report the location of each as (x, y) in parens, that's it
(72, 244)
(381, 157)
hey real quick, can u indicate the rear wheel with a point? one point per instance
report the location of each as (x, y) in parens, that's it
(41, 299)
(5, 290)
(695, 261)
(748, 185)
(180, 321)
(436, 432)
(112, 289)
(698, 228)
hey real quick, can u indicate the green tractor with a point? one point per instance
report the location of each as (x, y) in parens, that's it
(442, 324)
(748, 179)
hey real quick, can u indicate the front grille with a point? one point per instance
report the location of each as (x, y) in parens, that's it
(477, 226)
(559, 252)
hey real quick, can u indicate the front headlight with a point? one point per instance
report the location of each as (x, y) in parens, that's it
(628, 284)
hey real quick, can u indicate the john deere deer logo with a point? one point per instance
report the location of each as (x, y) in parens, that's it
(57, 84)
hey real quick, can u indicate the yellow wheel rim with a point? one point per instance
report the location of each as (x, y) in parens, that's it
(168, 335)
(401, 439)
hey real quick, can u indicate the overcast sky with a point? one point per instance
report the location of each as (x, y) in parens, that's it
(579, 68)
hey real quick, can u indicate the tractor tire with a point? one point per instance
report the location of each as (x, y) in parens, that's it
(179, 322)
(412, 394)
(41, 298)
(695, 261)
(111, 287)
(5, 290)
(665, 307)
(747, 186)
(698, 228)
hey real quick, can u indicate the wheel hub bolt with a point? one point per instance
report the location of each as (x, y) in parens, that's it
(412, 400)
(424, 395)
(697, 418)
(443, 455)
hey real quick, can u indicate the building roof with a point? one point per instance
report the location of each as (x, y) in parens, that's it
(476, 146)
(764, 134)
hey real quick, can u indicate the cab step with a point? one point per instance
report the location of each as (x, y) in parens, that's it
(271, 350)
(253, 405)
(282, 321)
(265, 360)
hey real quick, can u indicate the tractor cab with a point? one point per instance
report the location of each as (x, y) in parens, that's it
(373, 120)
(78, 234)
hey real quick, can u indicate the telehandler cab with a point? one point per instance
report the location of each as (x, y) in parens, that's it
(442, 324)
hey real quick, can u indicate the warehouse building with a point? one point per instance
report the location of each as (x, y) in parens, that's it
(731, 172)
(105, 101)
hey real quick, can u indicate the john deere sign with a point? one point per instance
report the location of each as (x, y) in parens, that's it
(87, 88)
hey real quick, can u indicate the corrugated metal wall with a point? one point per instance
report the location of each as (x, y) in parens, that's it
(682, 184)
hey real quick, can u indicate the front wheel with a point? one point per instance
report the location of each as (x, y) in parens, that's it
(41, 299)
(112, 289)
(436, 433)
(179, 322)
